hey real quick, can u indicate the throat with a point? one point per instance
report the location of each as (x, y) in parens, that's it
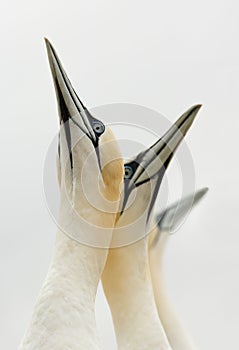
(64, 314)
(128, 288)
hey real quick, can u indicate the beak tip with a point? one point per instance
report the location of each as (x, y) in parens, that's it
(193, 111)
(197, 107)
(47, 42)
(51, 54)
(49, 47)
(204, 190)
(200, 194)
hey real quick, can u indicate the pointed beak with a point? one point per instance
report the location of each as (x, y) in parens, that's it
(70, 107)
(158, 156)
(170, 218)
(69, 104)
(155, 160)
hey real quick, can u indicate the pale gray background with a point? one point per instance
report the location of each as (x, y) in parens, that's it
(164, 55)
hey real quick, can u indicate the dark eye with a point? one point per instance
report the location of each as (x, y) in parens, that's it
(98, 127)
(128, 171)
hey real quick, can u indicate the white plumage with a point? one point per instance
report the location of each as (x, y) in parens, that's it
(94, 211)
(167, 221)
(64, 315)
(127, 276)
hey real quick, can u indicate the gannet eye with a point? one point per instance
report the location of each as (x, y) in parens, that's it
(128, 171)
(98, 127)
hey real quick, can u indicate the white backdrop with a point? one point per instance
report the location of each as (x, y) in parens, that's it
(163, 55)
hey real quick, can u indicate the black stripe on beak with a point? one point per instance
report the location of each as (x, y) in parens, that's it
(154, 161)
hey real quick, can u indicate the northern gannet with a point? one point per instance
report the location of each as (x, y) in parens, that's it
(127, 277)
(167, 221)
(90, 171)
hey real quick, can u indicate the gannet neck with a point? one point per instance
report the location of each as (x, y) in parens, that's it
(178, 338)
(158, 238)
(127, 285)
(64, 316)
(88, 156)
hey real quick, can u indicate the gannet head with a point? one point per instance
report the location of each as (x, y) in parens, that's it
(90, 166)
(144, 174)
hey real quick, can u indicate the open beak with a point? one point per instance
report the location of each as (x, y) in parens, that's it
(154, 161)
(70, 106)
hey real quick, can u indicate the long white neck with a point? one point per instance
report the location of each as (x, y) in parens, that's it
(178, 338)
(64, 316)
(127, 284)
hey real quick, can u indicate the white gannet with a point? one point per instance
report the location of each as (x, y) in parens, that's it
(89, 161)
(126, 277)
(166, 222)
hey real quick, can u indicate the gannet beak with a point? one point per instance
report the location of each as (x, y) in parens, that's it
(155, 160)
(70, 106)
(170, 218)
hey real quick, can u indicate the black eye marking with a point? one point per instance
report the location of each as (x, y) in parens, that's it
(128, 171)
(98, 127)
